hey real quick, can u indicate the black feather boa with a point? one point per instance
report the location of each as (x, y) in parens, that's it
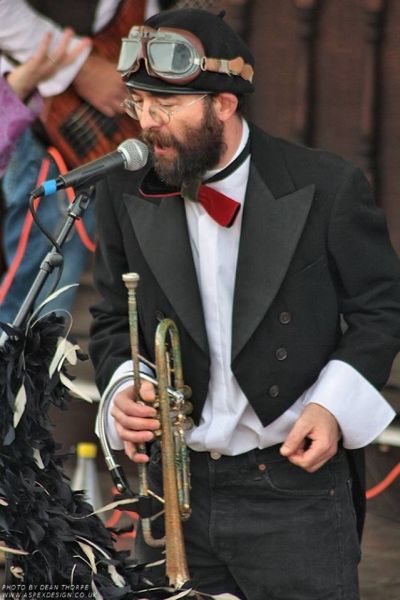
(66, 552)
(39, 513)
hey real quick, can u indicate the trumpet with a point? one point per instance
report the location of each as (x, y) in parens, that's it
(172, 397)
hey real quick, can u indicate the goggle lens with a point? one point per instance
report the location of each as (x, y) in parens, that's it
(169, 58)
(128, 55)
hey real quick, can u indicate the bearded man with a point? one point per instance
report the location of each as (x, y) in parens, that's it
(259, 250)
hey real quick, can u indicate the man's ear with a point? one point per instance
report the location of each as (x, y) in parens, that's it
(225, 105)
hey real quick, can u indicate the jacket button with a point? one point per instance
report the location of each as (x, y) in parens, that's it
(281, 354)
(274, 391)
(285, 317)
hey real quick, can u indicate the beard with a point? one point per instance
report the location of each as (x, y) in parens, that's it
(201, 150)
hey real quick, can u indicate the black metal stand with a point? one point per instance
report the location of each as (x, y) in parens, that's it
(52, 260)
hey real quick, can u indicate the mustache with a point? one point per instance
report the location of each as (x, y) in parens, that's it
(152, 138)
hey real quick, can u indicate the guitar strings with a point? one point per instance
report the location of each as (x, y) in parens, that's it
(77, 127)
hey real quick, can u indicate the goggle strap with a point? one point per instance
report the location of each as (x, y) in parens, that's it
(235, 66)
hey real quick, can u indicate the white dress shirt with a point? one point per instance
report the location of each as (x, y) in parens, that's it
(228, 423)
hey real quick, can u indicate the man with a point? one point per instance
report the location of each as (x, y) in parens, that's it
(258, 295)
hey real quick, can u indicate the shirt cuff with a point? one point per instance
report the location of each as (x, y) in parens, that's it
(361, 411)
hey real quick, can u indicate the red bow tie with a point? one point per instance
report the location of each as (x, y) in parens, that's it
(221, 208)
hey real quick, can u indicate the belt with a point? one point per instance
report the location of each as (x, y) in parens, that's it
(254, 456)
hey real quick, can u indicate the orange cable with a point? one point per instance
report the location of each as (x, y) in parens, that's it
(23, 240)
(80, 227)
(384, 484)
(27, 226)
(116, 516)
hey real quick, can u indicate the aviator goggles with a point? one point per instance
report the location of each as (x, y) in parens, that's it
(173, 55)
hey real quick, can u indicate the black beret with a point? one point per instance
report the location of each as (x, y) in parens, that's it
(219, 41)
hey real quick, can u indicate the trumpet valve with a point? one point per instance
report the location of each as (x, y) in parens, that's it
(183, 422)
(187, 392)
(187, 408)
(188, 423)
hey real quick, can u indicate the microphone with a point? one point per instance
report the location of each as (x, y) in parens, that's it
(131, 155)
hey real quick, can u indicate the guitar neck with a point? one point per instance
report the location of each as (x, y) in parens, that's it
(79, 131)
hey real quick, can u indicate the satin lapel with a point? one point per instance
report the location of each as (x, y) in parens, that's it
(271, 229)
(161, 231)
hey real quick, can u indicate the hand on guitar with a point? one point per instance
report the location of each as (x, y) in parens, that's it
(44, 63)
(98, 83)
(135, 422)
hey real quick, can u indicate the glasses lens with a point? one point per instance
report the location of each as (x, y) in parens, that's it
(130, 109)
(128, 54)
(158, 114)
(171, 58)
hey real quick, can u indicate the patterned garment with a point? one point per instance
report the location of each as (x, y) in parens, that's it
(204, 4)
(15, 118)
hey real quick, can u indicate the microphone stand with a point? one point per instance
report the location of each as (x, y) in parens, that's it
(52, 260)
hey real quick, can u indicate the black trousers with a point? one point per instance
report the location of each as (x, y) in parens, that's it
(264, 529)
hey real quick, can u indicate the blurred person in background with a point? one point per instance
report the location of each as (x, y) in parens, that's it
(20, 100)
(90, 78)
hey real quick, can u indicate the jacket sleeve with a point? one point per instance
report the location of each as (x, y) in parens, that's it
(110, 341)
(368, 272)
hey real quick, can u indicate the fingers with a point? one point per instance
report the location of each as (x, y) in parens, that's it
(133, 454)
(135, 422)
(61, 55)
(295, 441)
(47, 60)
(43, 48)
(57, 55)
(313, 439)
(147, 391)
(312, 456)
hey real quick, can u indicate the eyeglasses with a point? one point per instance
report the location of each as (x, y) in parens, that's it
(160, 114)
(173, 55)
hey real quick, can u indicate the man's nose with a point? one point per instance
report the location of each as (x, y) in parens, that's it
(146, 120)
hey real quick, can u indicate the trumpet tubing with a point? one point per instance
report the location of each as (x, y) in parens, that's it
(172, 396)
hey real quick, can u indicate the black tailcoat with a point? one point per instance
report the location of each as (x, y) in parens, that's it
(317, 278)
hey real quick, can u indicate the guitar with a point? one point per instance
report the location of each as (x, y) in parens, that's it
(79, 131)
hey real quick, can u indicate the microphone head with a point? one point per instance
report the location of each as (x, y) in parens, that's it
(135, 154)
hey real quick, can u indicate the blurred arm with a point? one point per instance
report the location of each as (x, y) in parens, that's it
(21, 32)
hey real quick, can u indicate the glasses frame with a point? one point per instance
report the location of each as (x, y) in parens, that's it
(160, 114)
